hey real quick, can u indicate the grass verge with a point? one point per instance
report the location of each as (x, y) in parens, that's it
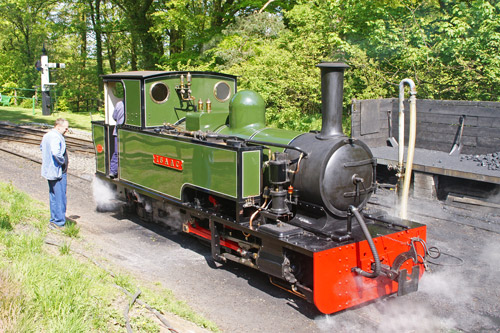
(43, 289)
(18, 115)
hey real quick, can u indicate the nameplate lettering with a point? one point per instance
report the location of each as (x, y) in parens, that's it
(168, 162)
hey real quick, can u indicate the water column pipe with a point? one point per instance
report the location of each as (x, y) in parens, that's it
(404, 181)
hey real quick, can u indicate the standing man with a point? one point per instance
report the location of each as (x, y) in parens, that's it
(119, 117)
(54, 167)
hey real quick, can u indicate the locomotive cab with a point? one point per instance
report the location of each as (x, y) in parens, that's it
(155, 100)
(114, 92)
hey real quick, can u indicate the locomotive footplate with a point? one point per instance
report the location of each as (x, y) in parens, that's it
(281, 230)
(326, 226)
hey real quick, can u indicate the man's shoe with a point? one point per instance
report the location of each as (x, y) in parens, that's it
(71, 219)
(54, 226)
(113, 175)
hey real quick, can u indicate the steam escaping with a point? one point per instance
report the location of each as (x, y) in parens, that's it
(390, 315)
(449, 298)
(144, 201)
(104, 195)
(175, 220)
(168, 216)
(490, 255)
(447, 286)
(106, 200)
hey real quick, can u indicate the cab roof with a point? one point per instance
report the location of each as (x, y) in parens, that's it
(152, 74)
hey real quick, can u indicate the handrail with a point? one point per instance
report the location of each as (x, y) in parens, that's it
(14, 88)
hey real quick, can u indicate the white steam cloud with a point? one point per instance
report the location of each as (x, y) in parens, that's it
(104, 195)
(391, 315)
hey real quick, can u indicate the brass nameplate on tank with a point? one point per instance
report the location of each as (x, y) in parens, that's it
(168, 162)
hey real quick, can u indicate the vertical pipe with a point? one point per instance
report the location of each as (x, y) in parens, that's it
(405, 180)
(332, 91)
(373, 248)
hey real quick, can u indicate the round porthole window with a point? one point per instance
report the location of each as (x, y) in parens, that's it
(222, 91)
(159, 92)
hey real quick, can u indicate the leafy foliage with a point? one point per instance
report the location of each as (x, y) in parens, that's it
(450, 48)
(22, 30)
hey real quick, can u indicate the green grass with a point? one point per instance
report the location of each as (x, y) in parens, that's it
(71, 229)
(51, 289)
(20, 115)
(65, 249)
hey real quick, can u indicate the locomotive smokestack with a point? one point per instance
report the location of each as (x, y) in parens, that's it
(332, 91)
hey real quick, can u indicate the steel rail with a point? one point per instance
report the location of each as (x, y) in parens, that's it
(35, 131)
(31, 136)
(39, 162)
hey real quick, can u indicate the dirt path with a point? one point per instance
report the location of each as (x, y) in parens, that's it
(239, 299)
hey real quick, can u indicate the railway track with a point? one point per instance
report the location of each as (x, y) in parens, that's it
(32, 136)
(39, 162)
(24, 142)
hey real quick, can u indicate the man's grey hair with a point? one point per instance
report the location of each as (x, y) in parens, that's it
(60, 121)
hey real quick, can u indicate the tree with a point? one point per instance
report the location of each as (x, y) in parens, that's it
(145, 43)
(448, 47)
(23, 32)
(193, 27)
(95, 16)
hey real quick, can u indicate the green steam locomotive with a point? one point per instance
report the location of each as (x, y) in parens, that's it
(287, 203)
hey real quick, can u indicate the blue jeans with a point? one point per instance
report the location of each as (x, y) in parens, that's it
(57, 196)
(113, 165)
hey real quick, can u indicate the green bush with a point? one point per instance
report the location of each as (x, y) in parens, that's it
(27, 103)
(63, 105)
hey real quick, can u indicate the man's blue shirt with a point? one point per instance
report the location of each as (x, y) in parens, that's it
(53, 147)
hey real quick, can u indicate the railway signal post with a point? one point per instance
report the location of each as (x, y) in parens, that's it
(44, 65)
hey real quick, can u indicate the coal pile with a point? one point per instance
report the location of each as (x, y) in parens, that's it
(491, 161)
